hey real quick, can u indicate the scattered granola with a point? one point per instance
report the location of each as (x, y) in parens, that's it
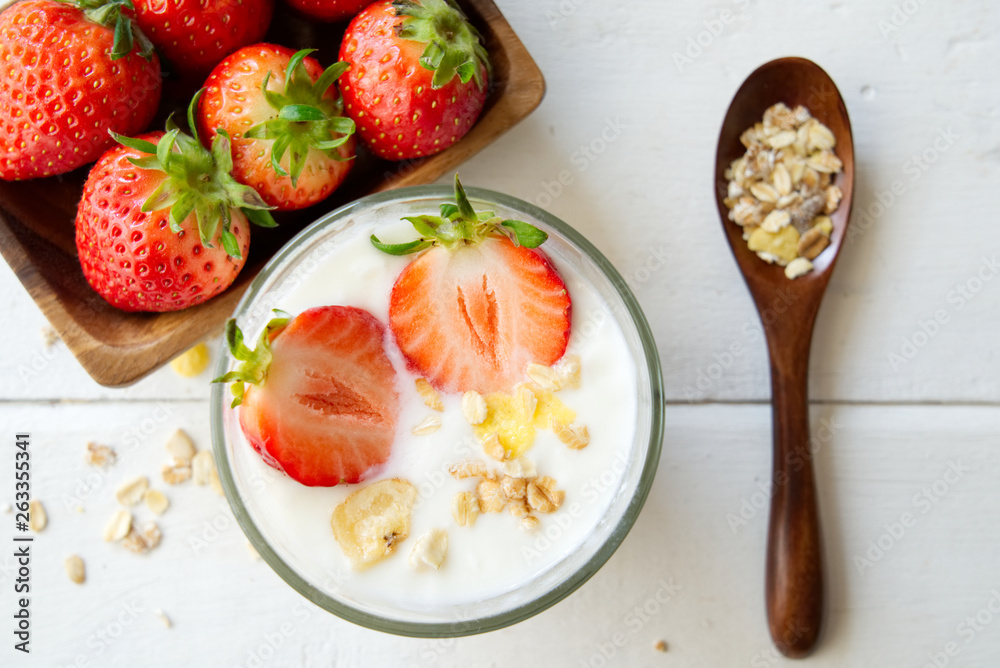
(39, 519)
(142, 540)
(118, 526)
(660, 646)
(514, 488)
(162, 616)
(428, 425)
(530, 523)
(202, 466)
(780, 188)
(519, 508)
(156, 501)
(429, 550)
(75, 569)
(491, 496)
(544, 376)
(575, 437)
(430, 396)
(465, 509)
(493, 448)
(100, 455)
(568, 371)
(474, 407)
(176, 473)
(543, 497)
(468, 469)
(522, 467)
(133, 491)
(180, 446)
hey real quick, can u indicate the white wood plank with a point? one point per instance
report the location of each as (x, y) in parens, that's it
(686, 550)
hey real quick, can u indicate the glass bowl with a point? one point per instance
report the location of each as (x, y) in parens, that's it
(269, 506)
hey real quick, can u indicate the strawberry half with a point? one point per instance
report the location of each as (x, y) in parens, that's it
(480, 303)
(317, 397)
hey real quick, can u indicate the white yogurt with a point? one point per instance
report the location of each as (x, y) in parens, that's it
(495, 555)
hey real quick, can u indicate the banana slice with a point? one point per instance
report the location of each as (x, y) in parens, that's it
(372, 521)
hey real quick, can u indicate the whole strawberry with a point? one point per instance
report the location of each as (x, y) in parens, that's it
(290, 141)
(194, 35)
(71, 71)
(329, 10)
(161, 225)
(418, 77)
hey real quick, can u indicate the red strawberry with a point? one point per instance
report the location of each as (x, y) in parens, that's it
(479, 304)
(418, 77)
(329, 10)
(317, 397)
(66, 80)
(148, 229)
(194, 35)
(251, 96)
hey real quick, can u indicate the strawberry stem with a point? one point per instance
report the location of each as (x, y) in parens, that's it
(453, 48)
(109, 13)
(256, 362)
(459, 224)
(306, 118)
(198, 181)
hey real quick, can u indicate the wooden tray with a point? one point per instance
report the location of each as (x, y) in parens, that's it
(37, 235)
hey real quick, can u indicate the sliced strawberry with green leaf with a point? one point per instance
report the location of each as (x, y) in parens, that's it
(480, 303)
(317, 397)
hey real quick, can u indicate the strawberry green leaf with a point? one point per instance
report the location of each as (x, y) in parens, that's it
(198, 181)
(427, 226)
(462, 200)
(255, 363)
(402, 249)
(127, 35)
(527, 235)
(307, 118)
(301, 112)
(330, 75)
(182, 209)
(231, 245)
(138, 144)
(460, 224)
(260, 217)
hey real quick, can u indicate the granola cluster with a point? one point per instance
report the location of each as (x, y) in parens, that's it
(781, 190)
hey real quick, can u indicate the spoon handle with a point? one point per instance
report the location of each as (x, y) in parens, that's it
(794, 583)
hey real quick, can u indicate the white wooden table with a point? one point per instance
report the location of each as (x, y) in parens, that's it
(905, 374)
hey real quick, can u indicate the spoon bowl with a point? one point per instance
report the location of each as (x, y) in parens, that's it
(788, 308)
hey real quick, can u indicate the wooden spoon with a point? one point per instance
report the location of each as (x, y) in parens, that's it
(788, 309)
